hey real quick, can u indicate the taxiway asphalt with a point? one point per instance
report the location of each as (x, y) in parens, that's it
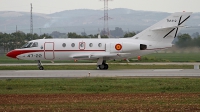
(99, 73)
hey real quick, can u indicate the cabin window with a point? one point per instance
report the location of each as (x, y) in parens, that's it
(81, 44)
(99, 44)
(90, 44)
(73, 45)
(64, 45)
(35, 44)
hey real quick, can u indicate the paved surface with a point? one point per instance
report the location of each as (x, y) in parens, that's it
(34, 63)
(99, 73)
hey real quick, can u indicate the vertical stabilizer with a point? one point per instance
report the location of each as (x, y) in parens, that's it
(165, 30)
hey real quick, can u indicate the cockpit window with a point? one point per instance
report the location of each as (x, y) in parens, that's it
(30, 44)
(25, 45)
(35, 44)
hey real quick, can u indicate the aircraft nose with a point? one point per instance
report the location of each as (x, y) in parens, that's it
(12, 54)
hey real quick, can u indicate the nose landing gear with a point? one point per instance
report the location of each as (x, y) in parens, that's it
(40, 65)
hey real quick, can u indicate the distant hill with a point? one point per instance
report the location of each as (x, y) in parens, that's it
(80, 19)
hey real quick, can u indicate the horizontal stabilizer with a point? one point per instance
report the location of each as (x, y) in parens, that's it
(165, 28)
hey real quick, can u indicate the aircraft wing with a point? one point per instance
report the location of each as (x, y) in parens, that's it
(98, 55)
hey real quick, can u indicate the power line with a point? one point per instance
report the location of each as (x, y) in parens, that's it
(106, 18)
(31, 22)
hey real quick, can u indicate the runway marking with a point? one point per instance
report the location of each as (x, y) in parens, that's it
(20, 71)
(167, 70)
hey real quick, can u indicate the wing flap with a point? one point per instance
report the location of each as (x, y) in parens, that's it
(98, 55)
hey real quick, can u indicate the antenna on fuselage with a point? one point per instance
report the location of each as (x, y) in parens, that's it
(31, 23)
(99, 36)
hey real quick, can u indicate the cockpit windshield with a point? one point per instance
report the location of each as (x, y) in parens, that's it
(30, 44)
(35, 44)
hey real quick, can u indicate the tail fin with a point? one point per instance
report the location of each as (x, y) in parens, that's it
(165, 30)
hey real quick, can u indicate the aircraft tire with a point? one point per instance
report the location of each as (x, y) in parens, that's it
(41, 68)
(105, 66)
(101, 67)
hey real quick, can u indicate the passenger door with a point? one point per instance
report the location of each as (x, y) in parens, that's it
(49, 50)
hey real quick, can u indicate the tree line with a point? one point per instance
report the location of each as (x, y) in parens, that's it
(17, 39)
(185, 40)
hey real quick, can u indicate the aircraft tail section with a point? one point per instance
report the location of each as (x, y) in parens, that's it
(165, 30)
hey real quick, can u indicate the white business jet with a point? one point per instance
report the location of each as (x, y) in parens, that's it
(157, 37)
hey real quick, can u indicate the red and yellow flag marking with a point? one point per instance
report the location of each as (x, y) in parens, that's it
(118, 47)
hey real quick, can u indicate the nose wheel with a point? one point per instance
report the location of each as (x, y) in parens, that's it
(40, 65)
(41, 68)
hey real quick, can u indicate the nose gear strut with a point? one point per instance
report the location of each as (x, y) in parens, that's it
(40, 65)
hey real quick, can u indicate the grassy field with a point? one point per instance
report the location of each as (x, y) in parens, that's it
(99, 85)
(173, 57)
(100, 94)
(154, 57)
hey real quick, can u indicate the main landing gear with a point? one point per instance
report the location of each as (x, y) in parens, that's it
(40, 65)
(103, 66)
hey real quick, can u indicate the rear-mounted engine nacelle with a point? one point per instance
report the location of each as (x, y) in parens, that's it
(124, 47)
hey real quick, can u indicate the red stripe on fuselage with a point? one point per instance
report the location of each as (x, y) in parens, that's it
(15, 53)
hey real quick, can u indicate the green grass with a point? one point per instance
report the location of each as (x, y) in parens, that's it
(93, 67)
(99, 85)
(172, 57)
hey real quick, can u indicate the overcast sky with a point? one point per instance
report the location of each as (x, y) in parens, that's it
(51, 6)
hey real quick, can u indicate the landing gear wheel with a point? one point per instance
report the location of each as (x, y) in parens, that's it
(40, 65)
(103, 67)
(41, 68)
(101, 64)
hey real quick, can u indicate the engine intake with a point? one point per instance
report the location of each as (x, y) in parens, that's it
(143, 47)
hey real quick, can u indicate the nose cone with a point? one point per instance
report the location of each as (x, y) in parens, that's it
(12, 54)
